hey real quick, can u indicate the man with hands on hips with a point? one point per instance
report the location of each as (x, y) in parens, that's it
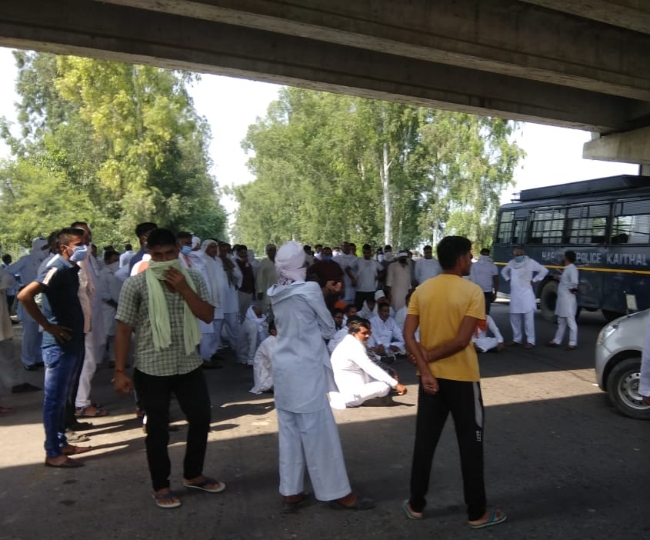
(446, 309)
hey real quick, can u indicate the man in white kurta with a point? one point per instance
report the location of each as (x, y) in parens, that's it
(387, 338)
(26, 268)
(486, 275)
(210, 332)
(266, 277)
(357, 377)
(523, 272)
(230, 278)
(307, 432)
(347, 261)
(398, 281)
(427, 267)
(251, 333)
(644, 382)
(567, 303)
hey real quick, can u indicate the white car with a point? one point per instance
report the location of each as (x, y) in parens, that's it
(618, 363)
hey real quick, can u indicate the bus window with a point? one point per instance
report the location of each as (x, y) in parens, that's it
(520, 230)
(631, 229)
(547, 226)
(504, 233)
(587, 224)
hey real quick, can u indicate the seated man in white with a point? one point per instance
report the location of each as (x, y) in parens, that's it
(251, 333)
(485, 343)
(357, 377)
(340, 334)
(387, 339)
(262, 371)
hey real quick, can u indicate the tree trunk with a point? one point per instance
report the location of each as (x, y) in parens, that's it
(384, 173)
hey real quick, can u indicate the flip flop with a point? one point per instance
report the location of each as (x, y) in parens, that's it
(407, 510)
(76, 450)
(496, 517)
(169, 496)
(202, 485)
(292, 507)
(81, 412)
(362, 503)
(67, 464)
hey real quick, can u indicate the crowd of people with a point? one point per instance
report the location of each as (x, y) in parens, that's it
(320, 329)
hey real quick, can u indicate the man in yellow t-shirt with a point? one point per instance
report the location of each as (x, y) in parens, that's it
(447, 309)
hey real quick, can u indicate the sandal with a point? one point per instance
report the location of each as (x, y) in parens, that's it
(291, 507)
(169, 496)
(203, 485)
(72, 450)
(67, 464)
(552, 344)
(82, 412)
(410, 513)
(496, 516)
(570, 348)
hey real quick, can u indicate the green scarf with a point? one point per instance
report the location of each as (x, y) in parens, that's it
(159, 312)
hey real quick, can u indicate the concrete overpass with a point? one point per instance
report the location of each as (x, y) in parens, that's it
(583, 64)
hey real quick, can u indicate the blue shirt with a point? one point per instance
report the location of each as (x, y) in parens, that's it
(136, 258)
(60, 302)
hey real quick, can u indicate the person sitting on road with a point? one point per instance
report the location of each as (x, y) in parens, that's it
(340, 334)
(387, 340)
(357, 377)
(483, 342)
(251, 333)
(262, 371)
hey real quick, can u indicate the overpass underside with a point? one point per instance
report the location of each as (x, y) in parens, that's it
(581, 64)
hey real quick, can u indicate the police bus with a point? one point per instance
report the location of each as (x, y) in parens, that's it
(606, 221)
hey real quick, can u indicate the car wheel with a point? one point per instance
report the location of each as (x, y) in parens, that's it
(548, 300)
(623, 389)
(611, 315)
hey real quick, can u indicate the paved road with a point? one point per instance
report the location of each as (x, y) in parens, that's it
(559, 460)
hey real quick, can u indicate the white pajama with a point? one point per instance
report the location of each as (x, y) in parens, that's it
(230, 328)
(93, 355)
(30, 349)
(365, 392)
(311, 440)
(9, 372)
(562, 323)
(529, 322)
(211, 341)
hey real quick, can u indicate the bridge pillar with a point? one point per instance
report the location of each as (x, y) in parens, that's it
(628, 147)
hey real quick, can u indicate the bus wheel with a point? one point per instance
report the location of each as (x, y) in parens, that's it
(611, 315)
(548, 300)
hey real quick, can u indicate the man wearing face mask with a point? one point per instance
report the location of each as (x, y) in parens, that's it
(486, 275)
(398, 281)
(161, 306)
(62, 320)
(26, 268)
(523, 272)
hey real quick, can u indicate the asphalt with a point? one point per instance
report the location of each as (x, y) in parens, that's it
(559, 461)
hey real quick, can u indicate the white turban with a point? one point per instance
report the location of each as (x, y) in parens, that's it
(196, 242)
(289, 263)
(206, 244)
(38, 244)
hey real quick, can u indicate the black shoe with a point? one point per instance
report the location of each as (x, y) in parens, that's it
(25, 387)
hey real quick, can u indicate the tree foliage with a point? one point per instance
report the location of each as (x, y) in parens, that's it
(331, 167)
(111, 143)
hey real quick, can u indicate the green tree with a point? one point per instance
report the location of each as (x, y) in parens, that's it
(124, 138)
(332, 167)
